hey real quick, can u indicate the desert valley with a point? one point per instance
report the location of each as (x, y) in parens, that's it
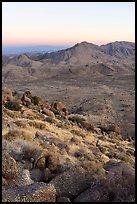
(68, 124)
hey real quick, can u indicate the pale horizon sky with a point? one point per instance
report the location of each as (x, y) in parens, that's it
(67, 23)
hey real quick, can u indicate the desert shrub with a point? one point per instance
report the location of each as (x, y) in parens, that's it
(30, 117)
(87, 126)
(110, 154)
(13, 114)
(13, 105)
(41, 116)
(77, 119)
(75, 140)
(13, 134)
(102, 137)
(78, 133)
(123, 157)
(35, 100)
(81, 122)
(29, 150)
(21, 123)
(39, 125)
(50, 120)
(102, 149)
(93, 167)
(55, 111)
(88, 156)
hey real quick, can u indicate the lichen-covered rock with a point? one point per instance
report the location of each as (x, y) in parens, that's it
(9, 167)
(36, 192)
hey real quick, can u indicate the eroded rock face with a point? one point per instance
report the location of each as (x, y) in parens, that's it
(36, 192)
(71, 182)
(9, 167)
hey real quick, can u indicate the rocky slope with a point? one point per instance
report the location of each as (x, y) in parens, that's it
(52, 155)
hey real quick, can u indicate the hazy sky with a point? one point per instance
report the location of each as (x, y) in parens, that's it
(67, 23)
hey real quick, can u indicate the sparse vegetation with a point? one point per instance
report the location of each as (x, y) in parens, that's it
(13, 105)
(35, 100)
(50, 120)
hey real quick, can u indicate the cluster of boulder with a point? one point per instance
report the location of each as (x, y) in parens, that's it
(74, 184)
(56, 108)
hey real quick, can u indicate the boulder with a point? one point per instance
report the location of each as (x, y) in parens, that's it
(114, 128)
(48, 112)
(36, 192)
(71, 182)
(9, 167)
(41, 162)
(97, 130)
(58, 106)
(24, 178)
(26, 100)
(90, 195)
(46, 174)
(52, 162)
(7, 95)
(36, 175)
(28, 94)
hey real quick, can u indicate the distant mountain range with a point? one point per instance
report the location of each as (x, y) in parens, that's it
(14, 50)
(87, 58)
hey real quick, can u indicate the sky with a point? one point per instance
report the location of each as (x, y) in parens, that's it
(67, 23)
